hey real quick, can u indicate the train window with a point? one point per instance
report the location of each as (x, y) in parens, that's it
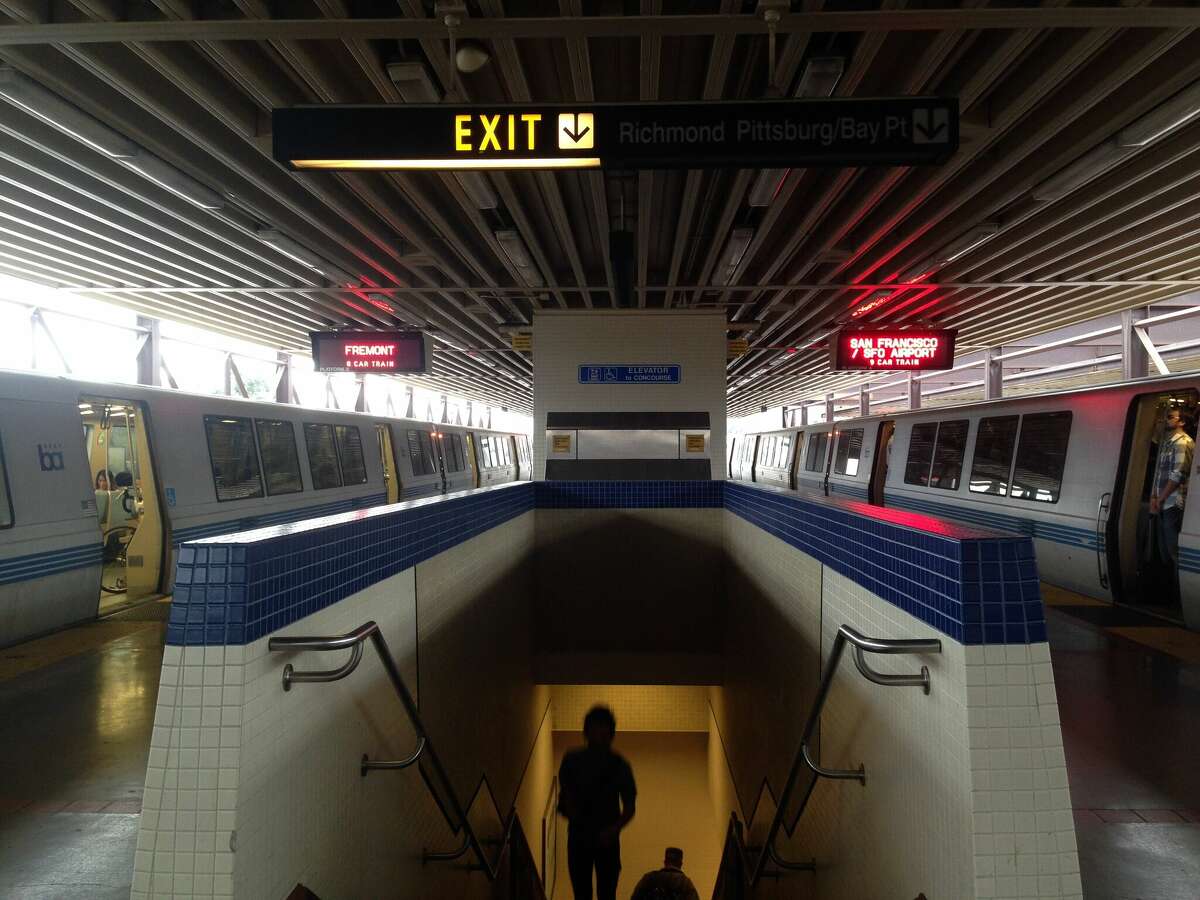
(6, 510)
(1041, 456)
(815, 461)
(849, 451)
(414, 453)
(429, 452)
(280, 461)
(322, 456)
(993, 455)
(920, 453)
(948, 454)
(234, 461)
(506, 451)
(460, 450)
(785, 448)
(350, 453)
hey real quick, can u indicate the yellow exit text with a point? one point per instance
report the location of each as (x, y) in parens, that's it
(494, 129)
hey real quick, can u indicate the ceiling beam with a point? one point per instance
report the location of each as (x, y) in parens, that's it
(1073, 18)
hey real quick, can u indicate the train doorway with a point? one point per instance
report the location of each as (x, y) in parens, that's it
(1143, 573)
(879, 468)
(127, 506)
(387, 456)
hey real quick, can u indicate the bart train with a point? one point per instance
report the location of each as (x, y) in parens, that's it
(1073, 470)
(98, 482)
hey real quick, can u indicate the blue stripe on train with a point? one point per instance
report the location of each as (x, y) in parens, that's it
(51, 562)
(1045, 531)
(282, 517)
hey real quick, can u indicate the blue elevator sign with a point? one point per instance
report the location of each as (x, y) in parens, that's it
(626, 374)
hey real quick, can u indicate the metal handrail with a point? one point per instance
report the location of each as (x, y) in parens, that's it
(353, 642)
(803, 758)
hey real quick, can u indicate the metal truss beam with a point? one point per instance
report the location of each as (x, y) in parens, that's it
(599, 26)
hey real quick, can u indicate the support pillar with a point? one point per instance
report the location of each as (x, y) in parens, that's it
(864, 400)
(993, 374)
(360, 398)
(914, 392)
(829, 407)
(1135, 361)
(803, 415)
(149, 358)
(283, 387)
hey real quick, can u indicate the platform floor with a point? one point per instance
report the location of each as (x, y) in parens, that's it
(76, 710)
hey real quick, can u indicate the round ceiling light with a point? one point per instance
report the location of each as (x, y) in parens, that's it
(471, 57)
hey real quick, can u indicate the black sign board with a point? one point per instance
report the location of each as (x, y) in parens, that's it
(758, 134)
(370, 352)
(889, 349)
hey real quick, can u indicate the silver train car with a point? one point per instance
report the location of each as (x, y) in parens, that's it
(99, 482)
(1073, 470)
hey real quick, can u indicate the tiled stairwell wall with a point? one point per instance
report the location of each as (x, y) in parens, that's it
(966, 793)
(251, 789)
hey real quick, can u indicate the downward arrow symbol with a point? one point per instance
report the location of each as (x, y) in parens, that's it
(572, 132)
(930, 134)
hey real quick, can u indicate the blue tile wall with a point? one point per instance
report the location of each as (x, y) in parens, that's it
(977, 589)
(629, 494)
(238, 588)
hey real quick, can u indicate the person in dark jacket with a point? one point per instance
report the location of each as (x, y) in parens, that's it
(597, 795)
(667, 883)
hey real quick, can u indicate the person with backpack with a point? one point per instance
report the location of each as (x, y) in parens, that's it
(667, 883)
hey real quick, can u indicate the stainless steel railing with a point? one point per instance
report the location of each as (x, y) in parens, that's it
(729, 882)
(456, 814)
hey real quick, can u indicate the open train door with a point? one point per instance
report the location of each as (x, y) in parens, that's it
(879, 469)
(387, 456)
(1130, 561)
(132, 524)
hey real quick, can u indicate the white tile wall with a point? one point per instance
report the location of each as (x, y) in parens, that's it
(966, 792)
(251, 789)
(565, 340)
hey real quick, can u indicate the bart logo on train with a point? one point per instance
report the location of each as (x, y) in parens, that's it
(50, 457)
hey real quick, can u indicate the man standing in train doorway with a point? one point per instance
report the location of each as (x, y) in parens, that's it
(597, 795)
(1169, 493)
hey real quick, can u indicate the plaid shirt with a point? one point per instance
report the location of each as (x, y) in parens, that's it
(1174, 464)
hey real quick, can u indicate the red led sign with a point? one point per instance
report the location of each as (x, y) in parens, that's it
(892, 350)
(367, 352)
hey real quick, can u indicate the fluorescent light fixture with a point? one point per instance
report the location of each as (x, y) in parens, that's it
(1177, 111)
(766, 185)
(820, 78)
(548, 162)
(731, 256)
(969, 241)
(921, 270)
(170, 178)
(290, 248)
(22, 91)
(413, 81)
(479, 189)
(1080, 172)
(518, 254)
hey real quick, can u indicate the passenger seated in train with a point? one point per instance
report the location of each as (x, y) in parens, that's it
(1169, 492)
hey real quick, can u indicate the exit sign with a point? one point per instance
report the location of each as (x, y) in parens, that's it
(891, 350)
(841, 131)
(371, 352)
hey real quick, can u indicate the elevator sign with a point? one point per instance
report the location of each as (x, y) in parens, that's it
(892, 350)
(897, 131)
(370, 352)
